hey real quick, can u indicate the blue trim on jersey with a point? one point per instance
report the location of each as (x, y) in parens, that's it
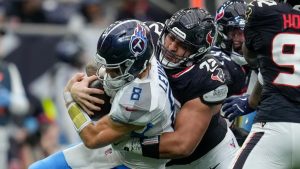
(142, 135)
(247, 121)
(121, 167)
(54, 161)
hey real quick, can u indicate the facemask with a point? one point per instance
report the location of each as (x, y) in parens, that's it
(167, 64)
(111, 86)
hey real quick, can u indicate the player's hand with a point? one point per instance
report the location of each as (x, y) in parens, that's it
(235, 106)
(82, 94)
(75, 78)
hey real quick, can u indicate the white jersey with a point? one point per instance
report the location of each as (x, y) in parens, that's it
(145, 102)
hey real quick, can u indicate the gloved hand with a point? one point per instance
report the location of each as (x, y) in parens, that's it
(235, 106)
(4, 97)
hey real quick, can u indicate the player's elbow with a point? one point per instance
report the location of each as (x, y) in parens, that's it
(183, 149)
(91, 144)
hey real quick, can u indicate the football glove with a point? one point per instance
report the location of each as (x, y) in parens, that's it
(235, 106)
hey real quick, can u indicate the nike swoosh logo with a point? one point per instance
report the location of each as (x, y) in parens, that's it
(215, 166)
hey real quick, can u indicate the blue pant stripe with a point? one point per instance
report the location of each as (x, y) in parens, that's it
(54, 161)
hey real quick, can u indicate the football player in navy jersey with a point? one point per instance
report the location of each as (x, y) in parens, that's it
(201, 138)
(272, 35)
(230, 24)
(227, 48)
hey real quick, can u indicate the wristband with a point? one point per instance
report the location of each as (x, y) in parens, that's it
(68, 98)
(79, 118)
(150, 147)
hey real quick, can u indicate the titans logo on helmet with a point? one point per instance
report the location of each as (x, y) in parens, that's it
(138, 41)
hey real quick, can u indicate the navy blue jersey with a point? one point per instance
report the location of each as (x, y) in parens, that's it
(205, 80)
(273, 32)
(238, 76)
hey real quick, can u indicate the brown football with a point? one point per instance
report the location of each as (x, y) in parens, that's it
(105, 108)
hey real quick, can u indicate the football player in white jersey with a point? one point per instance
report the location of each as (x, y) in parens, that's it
(142, 102)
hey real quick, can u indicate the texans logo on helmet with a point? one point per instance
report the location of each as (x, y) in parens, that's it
(138, 41)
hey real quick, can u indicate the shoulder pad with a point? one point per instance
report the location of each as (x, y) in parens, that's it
(216, 96)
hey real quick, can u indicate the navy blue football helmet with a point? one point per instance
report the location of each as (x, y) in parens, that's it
(193, 27)
(229, 16)
(124, 50)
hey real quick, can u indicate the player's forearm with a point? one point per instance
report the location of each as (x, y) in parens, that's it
(81, 121)
(191, 124)
(92, 137)
(255, 95)
(172, 145)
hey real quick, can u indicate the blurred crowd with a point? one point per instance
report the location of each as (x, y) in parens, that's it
(35, 64)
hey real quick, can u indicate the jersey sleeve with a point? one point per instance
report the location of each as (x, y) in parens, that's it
(205, 80)
(132, 105)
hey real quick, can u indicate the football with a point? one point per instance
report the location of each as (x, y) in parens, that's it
(105, 108)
